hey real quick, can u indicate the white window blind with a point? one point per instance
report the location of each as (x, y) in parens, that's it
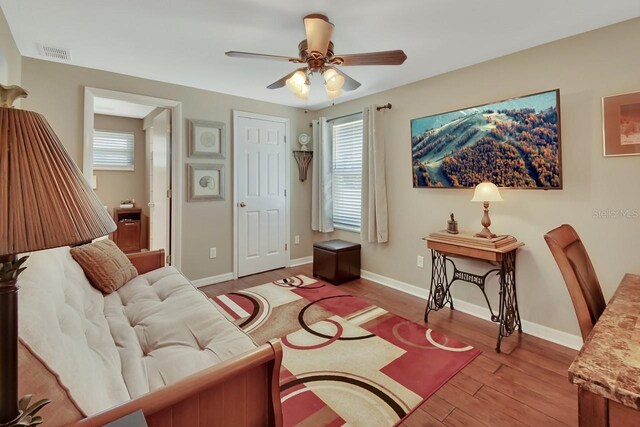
(113, 150)
(347, 172)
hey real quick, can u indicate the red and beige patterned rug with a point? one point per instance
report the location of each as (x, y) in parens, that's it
(345, 361)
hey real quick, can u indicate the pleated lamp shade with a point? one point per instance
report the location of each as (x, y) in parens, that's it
(45, 202)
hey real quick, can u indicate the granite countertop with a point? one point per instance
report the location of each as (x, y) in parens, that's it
(609, 362)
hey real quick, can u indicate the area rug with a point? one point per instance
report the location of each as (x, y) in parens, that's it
(345, 361)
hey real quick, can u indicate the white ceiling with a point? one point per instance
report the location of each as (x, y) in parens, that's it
(116, 107)
(184, 42)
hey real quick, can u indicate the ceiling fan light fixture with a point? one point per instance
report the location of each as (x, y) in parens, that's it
(303, 92)
(316, 52)
(299, 84)
(333, 80)
(298, 79)
(333, 94)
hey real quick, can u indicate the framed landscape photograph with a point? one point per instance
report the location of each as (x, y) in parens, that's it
(513, 143)
(621, 124)
(207, 139)
(206, 182)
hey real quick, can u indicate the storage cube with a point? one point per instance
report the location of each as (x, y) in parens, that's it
(336, 261)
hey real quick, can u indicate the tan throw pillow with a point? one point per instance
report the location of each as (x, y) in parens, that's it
(104, 264)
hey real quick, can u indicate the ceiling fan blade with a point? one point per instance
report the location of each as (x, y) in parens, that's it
(349, 83)
(389, 57)
(249, 55)
(319, 31)
(280, 83)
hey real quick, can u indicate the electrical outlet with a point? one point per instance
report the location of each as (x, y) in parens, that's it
(420, 261)
(212, 253)
(296, 239)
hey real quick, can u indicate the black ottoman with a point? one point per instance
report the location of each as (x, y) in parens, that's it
(336, 261)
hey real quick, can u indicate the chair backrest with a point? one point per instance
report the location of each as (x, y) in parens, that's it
(578, 274)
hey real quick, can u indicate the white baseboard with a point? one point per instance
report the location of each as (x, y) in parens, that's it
(395, 284)
(205, 281)
(300, 261)
(559, 337)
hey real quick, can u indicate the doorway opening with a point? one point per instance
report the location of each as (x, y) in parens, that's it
(131, 159)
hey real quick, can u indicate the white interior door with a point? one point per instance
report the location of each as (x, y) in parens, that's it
(159, 181)
(260, 147)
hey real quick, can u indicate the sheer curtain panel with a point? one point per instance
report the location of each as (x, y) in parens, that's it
(321, 181)
(374, 226)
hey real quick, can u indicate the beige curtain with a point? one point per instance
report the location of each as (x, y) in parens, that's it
(374, 226)
(321, 178)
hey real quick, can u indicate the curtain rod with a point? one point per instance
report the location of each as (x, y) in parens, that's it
(386, 106)
(337, 118)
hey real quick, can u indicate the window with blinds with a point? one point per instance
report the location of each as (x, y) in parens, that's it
(113, 150)
(347, 172)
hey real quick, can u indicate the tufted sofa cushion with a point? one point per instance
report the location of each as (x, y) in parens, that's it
(61, 319)
(104, 350)
(165, 329)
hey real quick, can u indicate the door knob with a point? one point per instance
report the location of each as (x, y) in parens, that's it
(243, 204)
(151, 204)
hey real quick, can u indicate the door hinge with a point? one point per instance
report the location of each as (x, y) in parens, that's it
(168, 193)
(168, 259)
(285, 246)
(285, 193)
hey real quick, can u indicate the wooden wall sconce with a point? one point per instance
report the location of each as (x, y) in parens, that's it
(303, 158)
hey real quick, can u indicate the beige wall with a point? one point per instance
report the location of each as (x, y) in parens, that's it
(57, 91)
(115, 186)
(585, 68)
(10, 59)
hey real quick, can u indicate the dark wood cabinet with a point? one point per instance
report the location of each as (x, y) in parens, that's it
(129, 232)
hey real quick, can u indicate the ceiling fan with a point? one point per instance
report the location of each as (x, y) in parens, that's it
(316, 51)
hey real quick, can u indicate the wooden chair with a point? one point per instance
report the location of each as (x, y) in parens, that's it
(578, 274)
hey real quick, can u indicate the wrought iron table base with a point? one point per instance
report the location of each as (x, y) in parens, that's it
(508, 316)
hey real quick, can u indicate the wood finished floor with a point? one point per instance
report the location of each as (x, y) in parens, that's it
(525, 385)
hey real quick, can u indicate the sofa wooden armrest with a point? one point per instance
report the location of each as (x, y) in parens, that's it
(243, 391)
(147, 261)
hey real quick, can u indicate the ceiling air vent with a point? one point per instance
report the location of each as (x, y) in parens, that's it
(53, 52)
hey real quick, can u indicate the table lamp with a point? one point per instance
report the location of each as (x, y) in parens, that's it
(486, 192)
(45, 202)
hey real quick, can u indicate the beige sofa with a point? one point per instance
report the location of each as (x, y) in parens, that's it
(156, 344)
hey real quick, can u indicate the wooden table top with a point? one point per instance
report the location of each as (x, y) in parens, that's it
(465, 244)
(609, 362)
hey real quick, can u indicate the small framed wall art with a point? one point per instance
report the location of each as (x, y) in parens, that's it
(207, 139)
(621, 124)
(206, 182)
